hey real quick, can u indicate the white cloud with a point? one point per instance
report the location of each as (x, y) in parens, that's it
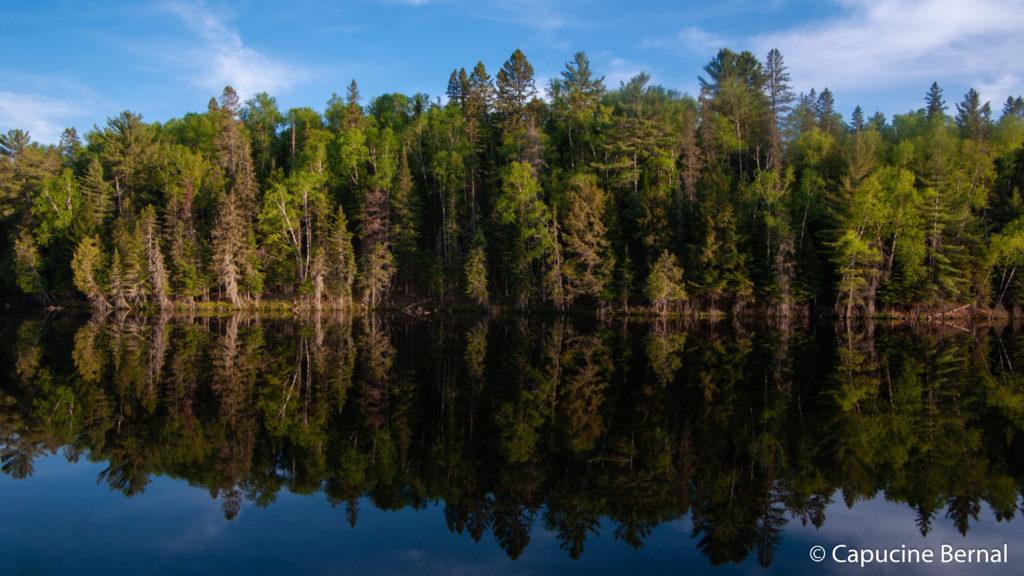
(688, 41)
(700, 40)
(620, 70)
(875, 44)
(43, 117)
(996, 90)
(222, 58)
(32, 106)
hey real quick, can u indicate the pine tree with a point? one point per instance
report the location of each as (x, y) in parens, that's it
(13, 143)
(720, 264)
(187, 281)
(528, 231)
(877, 121)
(973, 117)
(780, 98)
(185, 172)
(515, 89)
(133, 263)
(404, 219)
(88, 268)
(623, 280)
(262, 119)
(857, 262)
(734, 90)
(234, 155)
(664, 287)
(935, 107)
(227, 240)
(28, 265)
(128, 147)
(378, 263)
(116, 282)
(479, 98)
(341, 261)
(457, 88)
(476, 275)
(353, 111)
(70, 147)
(553, 281)
(98, 196)
(588, 259)
(771, 192)
(825, 110)
(1014, 106)
(576, 100)
(234, 246)
(158, 283)
(378, 270)
(857, 119)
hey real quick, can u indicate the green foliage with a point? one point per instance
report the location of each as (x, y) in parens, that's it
(767, 198)
(28, 265)
(88, 269)
(528, 228)
(341, 266)
(476, 275)
(664, 286)
(588, 262)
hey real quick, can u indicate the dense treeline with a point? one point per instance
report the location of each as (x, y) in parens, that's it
(747, 196)
(586, 430)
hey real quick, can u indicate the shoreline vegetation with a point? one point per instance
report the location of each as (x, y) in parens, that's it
(746, 200)
(962, 318)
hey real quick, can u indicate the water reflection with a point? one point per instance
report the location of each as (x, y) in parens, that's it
(515, 423)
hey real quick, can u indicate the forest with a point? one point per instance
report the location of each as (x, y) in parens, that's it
(590, 430)
(748, 198)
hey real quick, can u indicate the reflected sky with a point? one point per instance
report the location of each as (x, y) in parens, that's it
(62, 521)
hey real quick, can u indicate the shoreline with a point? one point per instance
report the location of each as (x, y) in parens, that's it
(956, 315)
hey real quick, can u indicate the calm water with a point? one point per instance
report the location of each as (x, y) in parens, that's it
(462, 445)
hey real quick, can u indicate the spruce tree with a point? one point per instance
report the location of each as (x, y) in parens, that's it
(476, 275)
(664, 286)
(935, 106)
(1014, 106)
(825, 110)
(780, 98)
(227, 244)
(515, 89)
(341, 261)
(158, 287)
(88, 269)
(588, 259)
(972, 117)
(526, 220)
(857, 119)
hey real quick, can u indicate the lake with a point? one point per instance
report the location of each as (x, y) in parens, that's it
(458, 444)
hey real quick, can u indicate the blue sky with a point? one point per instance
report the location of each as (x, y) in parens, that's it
(77, 62)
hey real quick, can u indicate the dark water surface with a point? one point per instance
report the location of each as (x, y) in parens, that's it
(468, 445)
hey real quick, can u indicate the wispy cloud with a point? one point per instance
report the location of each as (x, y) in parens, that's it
(701, 40)
(32, 106)
(619, 71)
(689, 40)
(876, 44)
(221, 57)
(43, 117)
